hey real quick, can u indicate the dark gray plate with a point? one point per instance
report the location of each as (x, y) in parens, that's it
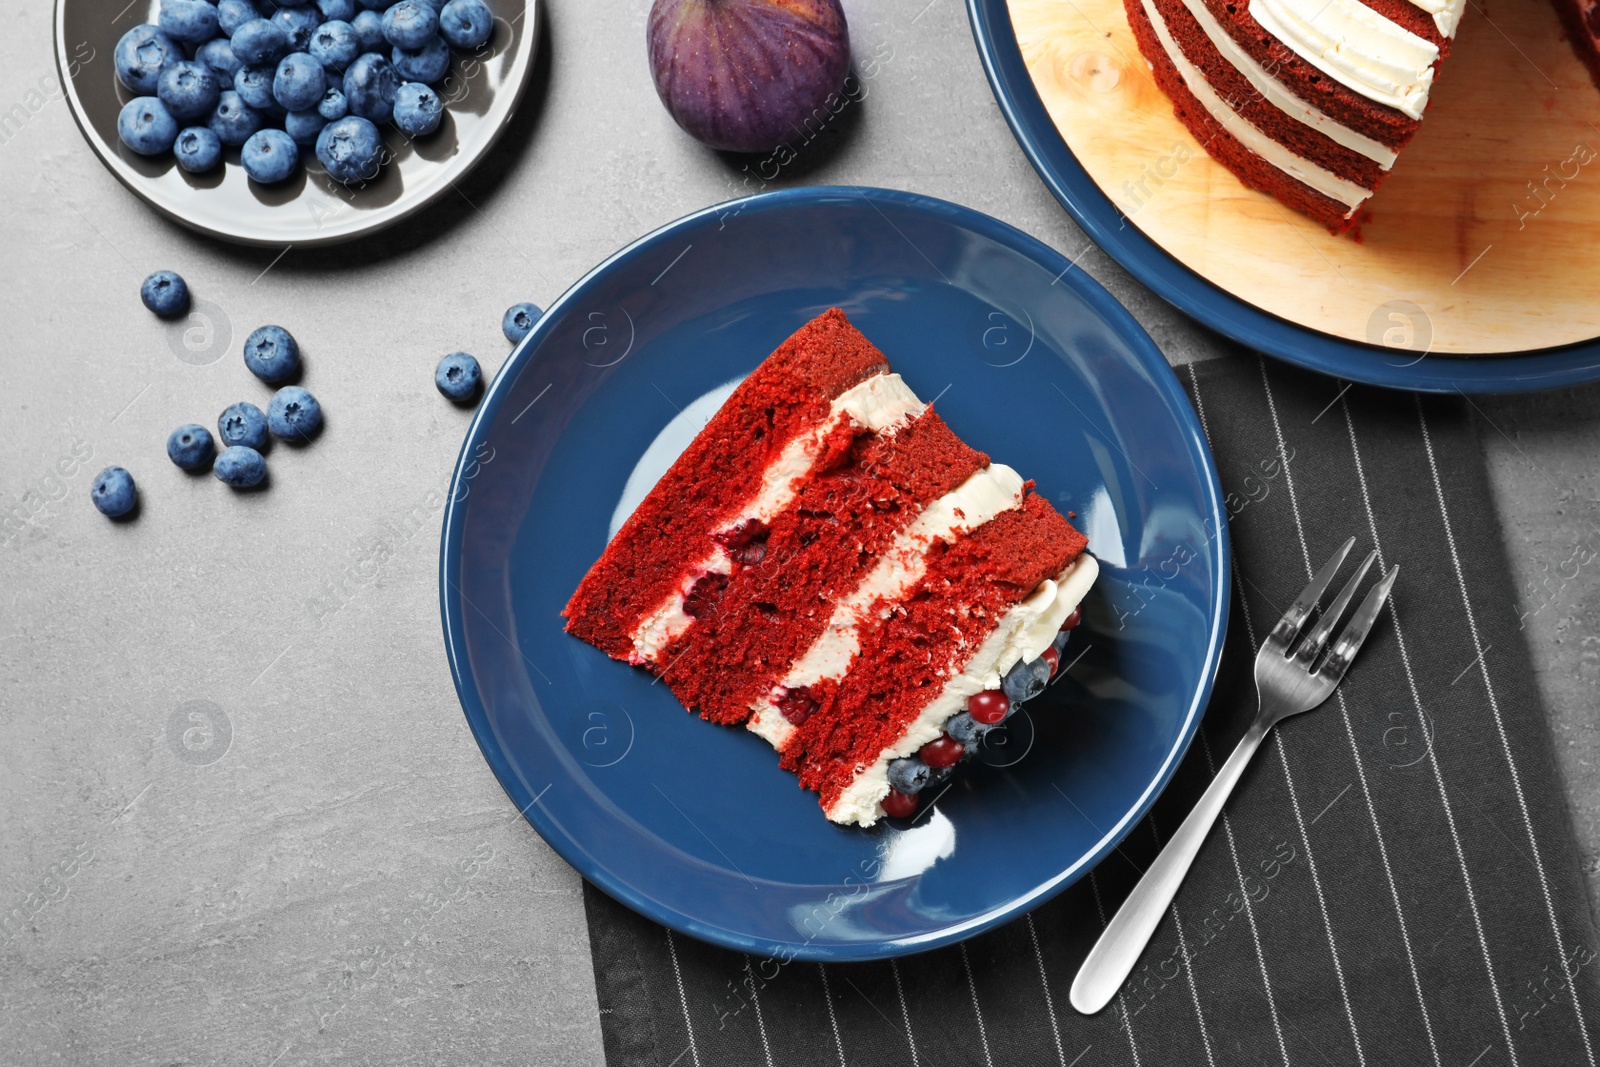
(481, 94)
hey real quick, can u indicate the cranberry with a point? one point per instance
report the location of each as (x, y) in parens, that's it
(898, 805)
(1071, 621)
(746, 543)
(796, 705)
(989, 707)
(943, 751)
(1052, 657)
(704, 594)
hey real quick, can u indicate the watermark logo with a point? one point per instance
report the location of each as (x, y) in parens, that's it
(1402, 325)
(607, 733)
(199, 732)
(204, 336)
(1006, 339)
(1010, 746)
(603, 340)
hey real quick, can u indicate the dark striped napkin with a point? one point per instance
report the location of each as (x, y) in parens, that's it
(1395, 881)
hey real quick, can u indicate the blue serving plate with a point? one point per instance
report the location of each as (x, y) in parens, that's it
(1222, 311)
(695, 825)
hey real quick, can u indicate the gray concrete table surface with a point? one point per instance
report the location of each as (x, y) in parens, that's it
(244, 821)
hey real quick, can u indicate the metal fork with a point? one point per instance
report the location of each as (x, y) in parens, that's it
(1289, 680)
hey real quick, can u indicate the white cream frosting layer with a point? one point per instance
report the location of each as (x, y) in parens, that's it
(1302, 170)
(882, 403)
(1356, 47)
(1446, 13)
(1278, 95)
(1023, 633)
(985, 494)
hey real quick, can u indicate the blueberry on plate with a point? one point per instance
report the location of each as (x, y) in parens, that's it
(240, 466)
(410, 24)
(430, 63)
(165, 293)
(218, 55)
(299, 23)
(243, 424)
(337, 10)
(416, 109)
(189, 89)
(466, 24)
(369, 30)
(141, 55)
(458, 377)
(518, 321)
(299, 82)
(269, 156)
(231, 14)
(964, 728)
(198, 149)
(114, 493)
(333, 105)
(1026, 680)
(260, 43)
(303, 126)
(909, 775)
(350, 149)
(272, 354)
(369, 85)
(146, 126)
(254, 86)
(335, 46)
(232, 120)
(191, 447)
(189, 21)
(294, 414)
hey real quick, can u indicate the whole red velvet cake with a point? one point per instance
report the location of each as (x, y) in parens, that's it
(830, 567)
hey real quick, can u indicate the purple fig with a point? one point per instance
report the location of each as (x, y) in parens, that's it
(749, 75)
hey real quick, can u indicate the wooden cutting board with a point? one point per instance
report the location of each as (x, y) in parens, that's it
(1484, 239)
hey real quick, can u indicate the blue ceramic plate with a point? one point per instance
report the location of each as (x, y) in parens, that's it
(1222, 311)
(694, 825)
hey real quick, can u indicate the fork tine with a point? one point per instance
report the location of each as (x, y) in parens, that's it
(1312, 645)
(1349, 641)
(1283, 633)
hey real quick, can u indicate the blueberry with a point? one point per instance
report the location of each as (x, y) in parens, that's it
(189, 21)
(260, 43)
(410, 24)
(146, 126)
(270, 156)
(189, 89)
(294, 414)
(428, 64)
(1026, 680)
(243, 424)
(165, 293)
(335, 46)
(299, 82)
(369, 85)
(349, 149)
(1060, 643)
(232, 120)
(519, 320)
(303, 126)
(240, 466)
(369, 31)
(299, 23)
(909, 775)
(966, 729)
(466, 24)
(458, 376)
(114, 493)
(218, 55)
(141, 55)
(272, 354)
(337, 10)
(254, 86)
(333, 105)
(191, 447)
(416, 109)
(231, 14)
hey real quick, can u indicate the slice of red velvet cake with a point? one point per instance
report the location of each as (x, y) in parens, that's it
(1307, 100)
(828, 565)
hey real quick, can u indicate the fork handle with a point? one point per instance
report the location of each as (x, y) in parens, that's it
(1112, 959)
